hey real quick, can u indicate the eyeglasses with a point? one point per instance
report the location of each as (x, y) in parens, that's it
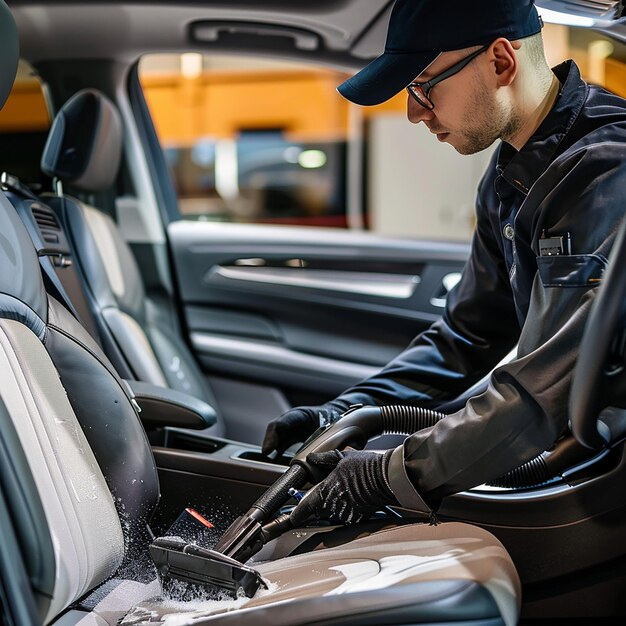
(421, 91)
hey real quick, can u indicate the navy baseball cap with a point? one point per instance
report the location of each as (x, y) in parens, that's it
(420, 30)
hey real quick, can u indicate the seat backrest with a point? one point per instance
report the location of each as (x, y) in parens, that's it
(140, 334)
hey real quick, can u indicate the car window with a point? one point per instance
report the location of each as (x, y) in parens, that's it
(248, 140)
(24, 125)
(263, 141)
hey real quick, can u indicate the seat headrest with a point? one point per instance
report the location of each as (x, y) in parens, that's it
(84, 146)
(9, 52)
(22, 293)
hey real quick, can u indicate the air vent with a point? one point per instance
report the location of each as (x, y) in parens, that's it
(596, 9)
(47, 222)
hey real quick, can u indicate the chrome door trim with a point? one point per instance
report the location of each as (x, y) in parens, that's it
(395, 286)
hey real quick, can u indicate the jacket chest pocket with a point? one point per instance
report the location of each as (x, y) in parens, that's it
(575, 270)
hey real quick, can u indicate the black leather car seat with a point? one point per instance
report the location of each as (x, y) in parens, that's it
(140, 334)
(78, 486)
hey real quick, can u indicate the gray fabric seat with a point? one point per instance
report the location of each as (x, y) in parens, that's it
(140, 334)
(79, 484)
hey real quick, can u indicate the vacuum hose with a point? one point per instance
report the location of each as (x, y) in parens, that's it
(565, 454)
(405, 420)
(355, 428)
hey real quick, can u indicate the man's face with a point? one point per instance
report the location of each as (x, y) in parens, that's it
(467, 113)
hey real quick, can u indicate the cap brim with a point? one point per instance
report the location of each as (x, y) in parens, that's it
(384, 77)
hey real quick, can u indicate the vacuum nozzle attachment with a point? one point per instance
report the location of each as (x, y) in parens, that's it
(223, 568)
(174, 558)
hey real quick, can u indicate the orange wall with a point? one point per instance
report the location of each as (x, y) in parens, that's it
(25, 109)
(615, 77)
(219, 105)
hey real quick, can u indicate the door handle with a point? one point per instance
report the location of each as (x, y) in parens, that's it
(448, 283)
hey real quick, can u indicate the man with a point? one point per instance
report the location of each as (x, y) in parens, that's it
(547, 210)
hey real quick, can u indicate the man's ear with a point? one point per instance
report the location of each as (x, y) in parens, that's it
(504, 61)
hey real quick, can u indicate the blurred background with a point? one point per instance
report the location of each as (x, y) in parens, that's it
(262, 141)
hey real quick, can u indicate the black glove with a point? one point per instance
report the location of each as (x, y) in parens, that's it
(298, 424)
(356, 487)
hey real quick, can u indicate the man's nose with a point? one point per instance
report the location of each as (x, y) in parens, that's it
(417, 113)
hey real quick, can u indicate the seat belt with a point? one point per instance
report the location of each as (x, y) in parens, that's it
(52, 282)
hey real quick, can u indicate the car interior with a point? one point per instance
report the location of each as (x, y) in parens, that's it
(143, 355)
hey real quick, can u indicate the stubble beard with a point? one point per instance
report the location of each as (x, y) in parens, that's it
(486, 121)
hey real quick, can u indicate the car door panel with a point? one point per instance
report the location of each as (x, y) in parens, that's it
(303, 308)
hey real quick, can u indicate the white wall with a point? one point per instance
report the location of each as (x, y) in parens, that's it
(417, 186)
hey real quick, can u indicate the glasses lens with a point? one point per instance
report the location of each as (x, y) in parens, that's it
(420, 96)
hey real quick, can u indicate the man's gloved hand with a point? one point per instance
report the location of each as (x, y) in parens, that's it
(356, 487)
(299, 423)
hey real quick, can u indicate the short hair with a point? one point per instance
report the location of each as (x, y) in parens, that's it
(535, 51)
(532, 47)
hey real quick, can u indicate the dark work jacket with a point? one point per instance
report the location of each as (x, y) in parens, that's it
(570, 177)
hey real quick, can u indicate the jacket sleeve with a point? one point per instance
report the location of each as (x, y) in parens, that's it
(525, 408)
(478, 328)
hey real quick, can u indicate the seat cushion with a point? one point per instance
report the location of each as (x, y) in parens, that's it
(452, 573)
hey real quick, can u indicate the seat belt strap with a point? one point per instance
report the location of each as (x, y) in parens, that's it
(48, 258)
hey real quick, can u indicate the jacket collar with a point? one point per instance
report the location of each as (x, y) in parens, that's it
(522, 169)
